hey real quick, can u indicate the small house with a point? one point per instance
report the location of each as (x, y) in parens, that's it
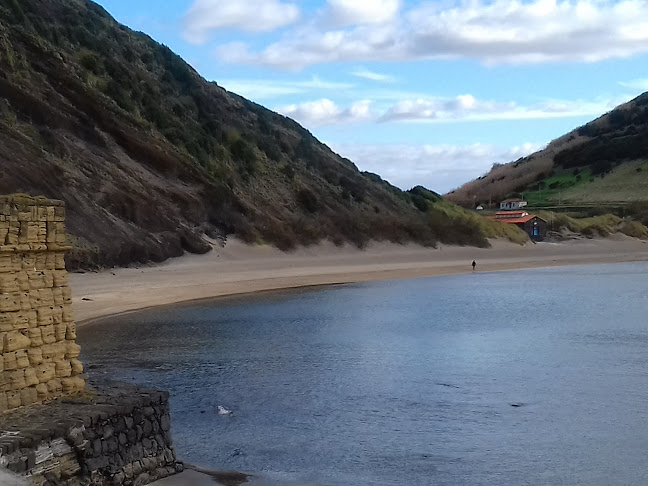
(531, 224)
(512, 204)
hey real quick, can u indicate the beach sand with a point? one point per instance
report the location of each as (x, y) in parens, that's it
(238, 268)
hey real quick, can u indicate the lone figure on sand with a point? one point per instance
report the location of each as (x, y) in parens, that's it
(474, 264)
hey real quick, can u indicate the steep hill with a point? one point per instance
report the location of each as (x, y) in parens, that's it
(603, 163)
(149, 156)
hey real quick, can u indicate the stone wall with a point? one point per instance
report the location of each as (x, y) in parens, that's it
(38, 353)
(114, 434)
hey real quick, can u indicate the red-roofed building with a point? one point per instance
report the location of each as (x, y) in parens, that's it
(533, 225)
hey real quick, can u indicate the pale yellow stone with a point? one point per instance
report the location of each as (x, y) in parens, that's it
(59, 350)
(46, 372)
(7, 321)
(60, 331)
(35, 356)
(71, 385)
(48, 333)
(10, 302)
(10, 361)
(22, 359)
(44, 318)
(36, 279)
(77, 367)
(63, 369)
(57, 315)
(8, 283)
(57, 293)
(55, 386)
(67, 294)
(59, 259)
(30, 377)
(48, 276)
(60, 278)
(17, 379)
(41, 260)
(43, 392)
(13, 400)
(36, 337)
(28, 396)
(13, 341)
(70, 334)
(34, 299)
(46, 297)
(68, 312)
(72, 350)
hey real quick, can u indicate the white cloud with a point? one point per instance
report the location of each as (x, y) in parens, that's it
(205, 16)
(260, 89)
(493, 32)
(352, 12)
(462, 108)
(468, 108)
(326, 112)
(373, 76)
(437, 167)
(638, 84)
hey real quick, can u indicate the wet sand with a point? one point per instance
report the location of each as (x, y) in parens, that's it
(238, 268)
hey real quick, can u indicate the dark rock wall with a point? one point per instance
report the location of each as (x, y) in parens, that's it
(114, 435)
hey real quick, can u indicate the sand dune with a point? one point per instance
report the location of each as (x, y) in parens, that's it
(238, 268)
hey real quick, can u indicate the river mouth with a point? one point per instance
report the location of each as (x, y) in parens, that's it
(533, 377)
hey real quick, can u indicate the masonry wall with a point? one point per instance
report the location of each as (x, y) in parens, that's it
(38, 352)
(113, 435)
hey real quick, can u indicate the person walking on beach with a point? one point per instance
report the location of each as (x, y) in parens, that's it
(474, 264)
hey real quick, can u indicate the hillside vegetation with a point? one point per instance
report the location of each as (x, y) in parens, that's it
(149, 156)
(601, 164)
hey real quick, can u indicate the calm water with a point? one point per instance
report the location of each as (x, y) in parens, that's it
(407, 382)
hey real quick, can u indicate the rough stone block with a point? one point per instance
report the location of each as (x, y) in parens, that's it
(55, 386)
(70, 334)
(57, 293)
(7, 321)
(10, 302)
(46, 372)
(13, 341)
(43, 392)
(77, 367)
(48, 332)
(10, 361)
(3, 402)
(72, 350)
(17, 379)
(28, 396)
(13, 400)
(60, 331)
(73, 384)
(22, 360)
(35, 355)
(8, 283)
(23, 281)
(68, 313)
(36, 279)
(30, 377)
(59, 260)
(36, 339)
(60, 278)
(63, 369)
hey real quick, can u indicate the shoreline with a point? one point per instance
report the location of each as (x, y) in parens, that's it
(239, 270)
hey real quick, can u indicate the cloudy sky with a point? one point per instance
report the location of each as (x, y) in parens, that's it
(420, 92)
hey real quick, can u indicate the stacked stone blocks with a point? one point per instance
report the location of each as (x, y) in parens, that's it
(38, 352)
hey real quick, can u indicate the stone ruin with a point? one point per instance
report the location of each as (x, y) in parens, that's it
(38, 352)
(101, 434)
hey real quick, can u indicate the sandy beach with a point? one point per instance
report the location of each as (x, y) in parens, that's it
(238, 268)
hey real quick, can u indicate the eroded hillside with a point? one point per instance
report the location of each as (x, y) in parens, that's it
(149, 156)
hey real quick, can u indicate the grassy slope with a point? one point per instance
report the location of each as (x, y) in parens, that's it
(605, 152)
(148, 155)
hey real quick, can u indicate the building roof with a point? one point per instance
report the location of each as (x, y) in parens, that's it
(512, 200)
(519, 220)
(511, 214)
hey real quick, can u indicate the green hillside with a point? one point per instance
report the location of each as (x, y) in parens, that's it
(149, 156)
(602, 164)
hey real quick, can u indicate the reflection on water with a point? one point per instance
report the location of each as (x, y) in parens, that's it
(532, 377)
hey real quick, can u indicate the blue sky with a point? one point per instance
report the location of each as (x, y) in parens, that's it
(420, 92)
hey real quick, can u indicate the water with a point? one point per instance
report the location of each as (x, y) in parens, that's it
(531, 377)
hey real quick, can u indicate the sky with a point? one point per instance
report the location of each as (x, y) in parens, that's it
(421, 92)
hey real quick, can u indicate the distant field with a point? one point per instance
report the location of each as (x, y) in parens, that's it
(625, 183)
